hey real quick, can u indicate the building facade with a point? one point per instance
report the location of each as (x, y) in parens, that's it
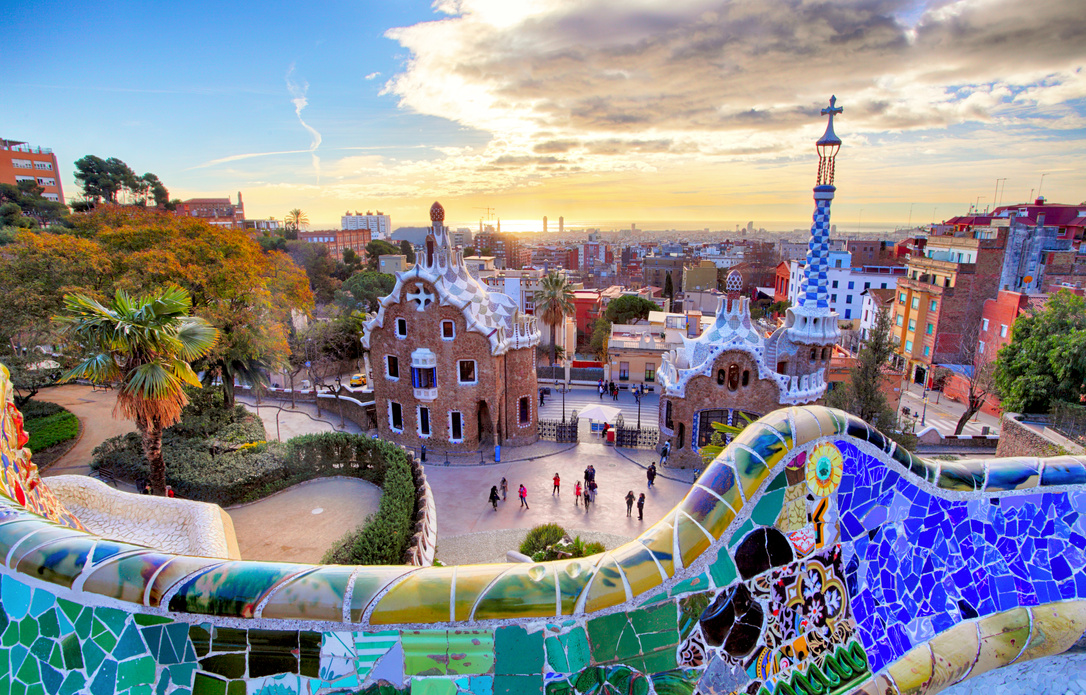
(846, 284)
(731, 373)
(379, 225)
(655, 270)
(21, 162)
(338, 240)
(452, 364)
(216, 211)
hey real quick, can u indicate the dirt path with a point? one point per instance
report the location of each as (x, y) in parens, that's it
(95, 410)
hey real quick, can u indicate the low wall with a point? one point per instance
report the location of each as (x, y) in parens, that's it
(931, 439)
(1019, 437)
(423, 545)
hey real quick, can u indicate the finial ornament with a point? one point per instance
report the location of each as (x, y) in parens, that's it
(828, 145)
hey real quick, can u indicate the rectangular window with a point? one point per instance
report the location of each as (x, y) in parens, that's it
(424, 377)
(46, 182)
(912, 325)
(650, 372)
(623, 371)
(834, 285)
(931, 328)
(424, 422)
(43, 166)
(908, 346)
(933, 305)
(900, 297)
(448, 330)
(984, 324)
(833, 298)
(927, 350)
(392, 364)
(848, 299)
(456, 426)
(916, 302)
(867, 285)
(466, 369)
(1002, 330)
(899, 319)
(851, 285)
(21, 163)
(401, 328)
(848, 312)
(395, 416)
(667, 416)
(524, 410)
(24, 178)
(884, 287)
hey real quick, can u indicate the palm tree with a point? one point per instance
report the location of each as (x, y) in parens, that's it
(553, 302)
(146, 343)
(297, 219)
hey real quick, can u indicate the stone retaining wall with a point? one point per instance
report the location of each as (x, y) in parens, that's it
(1019, 439)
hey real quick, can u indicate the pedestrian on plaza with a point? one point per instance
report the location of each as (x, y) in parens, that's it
(592, 488)
(651, 474)
(601, 389)
(169, 491)
(587, 474)
(603, 432)
(494, 496)
(505, 488)
(557, 482)
(637, 394)
(629, 503)
(542, 398)
(524, 497)
(641, 507)
(577, 494)
(664, 452)
(587, 499)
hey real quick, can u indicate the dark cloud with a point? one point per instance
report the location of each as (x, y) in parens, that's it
(523, 160)
(555, 146)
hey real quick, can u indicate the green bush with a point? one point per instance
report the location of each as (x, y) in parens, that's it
(32, 410)
(541, 537)
(382, 538)
(52, 429)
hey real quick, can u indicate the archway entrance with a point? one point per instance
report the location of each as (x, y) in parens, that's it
(485, 425)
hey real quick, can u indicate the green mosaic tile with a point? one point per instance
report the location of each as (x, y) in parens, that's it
(769, 507)
(518, 652)
(93, 656)
(205, 684)
(723, 569)
(84, 624)
(471, 652)
(48, 623)
(518, 685)
(740, 533)
(779, 483)
(11, 635)
(309, 654)
(28, 672)
(112, 618)
(102, 636)
(271, 652)
(143, 619)
(42, 647)
(56, 656)
(135, 672)
(201, 639)
(604, 634)
(556, 655)
(73, 683)
(576, 644)
(28, 631)
(655, 619)
(105, 679)
(662, 660)
(433, 686)
(228, 639)
(236, 688)
(130, 644)
(425, 652)
(73, 654)
(141, 690)
(225, 665)
(698, 583)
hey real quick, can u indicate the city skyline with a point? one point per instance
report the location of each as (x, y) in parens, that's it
(679, 115)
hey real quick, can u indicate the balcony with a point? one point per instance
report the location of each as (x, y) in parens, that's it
(424, 374)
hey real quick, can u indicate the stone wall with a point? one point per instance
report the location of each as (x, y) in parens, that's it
(1019, 439)
(423, 544)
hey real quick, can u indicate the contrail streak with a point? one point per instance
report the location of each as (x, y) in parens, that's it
(299, 100)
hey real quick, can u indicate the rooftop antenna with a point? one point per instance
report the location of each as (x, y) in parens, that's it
(994, 203)
(1041, 185)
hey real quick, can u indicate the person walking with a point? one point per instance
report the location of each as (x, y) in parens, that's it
(651, 474)
(641, 507)
(494, 497)
(600, 388)
(557, 483)
(587, 474)
(505, 488)
(592, 487)
(577, 494)
(542, 398)
(587, 499)
(664, 451)
(524, 497)
(629, 503)
(614, 394)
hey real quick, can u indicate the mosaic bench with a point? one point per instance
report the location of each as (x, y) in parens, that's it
(812, 556)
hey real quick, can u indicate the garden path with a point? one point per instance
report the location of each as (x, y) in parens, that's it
(94, 408)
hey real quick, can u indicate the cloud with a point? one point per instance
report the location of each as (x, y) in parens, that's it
(298, 94)
(372, 76)
(598, 80)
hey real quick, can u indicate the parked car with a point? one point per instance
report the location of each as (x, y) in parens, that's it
(358, 380)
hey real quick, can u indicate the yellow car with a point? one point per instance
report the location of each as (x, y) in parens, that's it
(358, 380)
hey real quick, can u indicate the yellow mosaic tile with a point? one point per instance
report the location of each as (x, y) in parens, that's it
(692, 540)
(912, 672)
(1002, 637)
(315, 596)
(1056, 627)
(368, 583)
(660, 540)
(607, 588)
(471, 582)
(573, 578)
(807, 427)
(708, 510)
(637, 564)
(955, 651)
(524, 591)
(751, 470)
(422, 597)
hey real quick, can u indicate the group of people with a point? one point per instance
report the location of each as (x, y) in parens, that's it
(608, 388)
(581, 493)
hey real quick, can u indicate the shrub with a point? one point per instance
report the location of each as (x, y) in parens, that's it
(541, 537)
(382, 538)
(32, 410)
(52, 429)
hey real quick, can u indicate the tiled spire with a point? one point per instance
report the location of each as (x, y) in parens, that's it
(815, 292)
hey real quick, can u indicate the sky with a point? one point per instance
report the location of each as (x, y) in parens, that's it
(683, 114)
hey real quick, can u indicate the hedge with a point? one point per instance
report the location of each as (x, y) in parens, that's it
(383, 537)
(52, 429)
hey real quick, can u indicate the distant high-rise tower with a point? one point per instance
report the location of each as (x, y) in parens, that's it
(544, 224)
(561, 224)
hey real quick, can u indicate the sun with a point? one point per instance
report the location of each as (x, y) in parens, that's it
(825, 466)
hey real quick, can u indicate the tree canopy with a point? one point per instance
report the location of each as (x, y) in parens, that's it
(629, 308)
(113, 181)
(1045, 361)
(377, 248)
(553, 302)
(23, 205)
(362, 291)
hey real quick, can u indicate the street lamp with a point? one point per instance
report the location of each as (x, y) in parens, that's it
(925, 413)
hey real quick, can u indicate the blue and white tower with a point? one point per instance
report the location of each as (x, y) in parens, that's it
(811, 321)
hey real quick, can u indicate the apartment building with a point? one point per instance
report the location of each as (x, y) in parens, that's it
(217, 211)
(20, 161)
(378, 224)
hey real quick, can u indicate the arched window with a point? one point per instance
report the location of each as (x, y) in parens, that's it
(825, 353)
(667, 416)
(814, 354)
(720, 376)
(430, 251)
(733, 377)
(682, 436)
(746, 377)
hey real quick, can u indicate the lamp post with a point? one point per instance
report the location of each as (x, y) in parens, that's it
(339, 386)
(639, 397)
(925, 413)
